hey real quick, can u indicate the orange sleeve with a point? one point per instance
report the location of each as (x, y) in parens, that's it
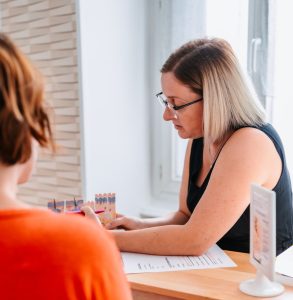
(104, 275)
(113, 283)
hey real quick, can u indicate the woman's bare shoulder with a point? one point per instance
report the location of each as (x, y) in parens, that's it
(250, 138)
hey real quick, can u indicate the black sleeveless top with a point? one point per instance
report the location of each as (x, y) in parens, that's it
(237, 238)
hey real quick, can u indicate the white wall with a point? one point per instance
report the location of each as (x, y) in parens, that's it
(114, 106)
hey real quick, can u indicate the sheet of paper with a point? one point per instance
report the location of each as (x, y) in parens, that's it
(284, 263)
(215, 257)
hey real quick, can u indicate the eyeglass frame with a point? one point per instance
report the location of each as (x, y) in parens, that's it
(173, 106)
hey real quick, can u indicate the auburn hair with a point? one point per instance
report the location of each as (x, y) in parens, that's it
(22, 112)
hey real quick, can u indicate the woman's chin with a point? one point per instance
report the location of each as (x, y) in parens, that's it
(23, 180)
(188, 135)
(183, 134)
(25, 176)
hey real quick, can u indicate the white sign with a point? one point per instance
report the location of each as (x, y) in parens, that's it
(263, 230)
(262, 244)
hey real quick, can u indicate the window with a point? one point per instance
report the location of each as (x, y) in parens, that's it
(270, 63)
(256, 29)
(174, 23)
(260, 51)
(282, 105)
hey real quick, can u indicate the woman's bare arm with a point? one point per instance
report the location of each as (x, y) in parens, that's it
(179, 217)
(249, 156)
(133, 223)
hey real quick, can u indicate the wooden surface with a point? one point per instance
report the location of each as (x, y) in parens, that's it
(198, 284)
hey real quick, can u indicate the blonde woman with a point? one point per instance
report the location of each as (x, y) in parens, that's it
(208, 101)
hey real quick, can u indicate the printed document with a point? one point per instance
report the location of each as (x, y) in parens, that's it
(215, 257)
(284, 267)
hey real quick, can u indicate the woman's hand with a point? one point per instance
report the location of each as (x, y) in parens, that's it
(90, 214)
(125, 223)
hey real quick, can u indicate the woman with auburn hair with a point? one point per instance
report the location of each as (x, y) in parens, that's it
(207, 99)
(43, 255)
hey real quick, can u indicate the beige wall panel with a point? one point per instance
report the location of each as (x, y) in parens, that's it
(46, 31)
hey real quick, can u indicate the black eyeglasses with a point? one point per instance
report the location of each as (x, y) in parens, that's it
(164, 102)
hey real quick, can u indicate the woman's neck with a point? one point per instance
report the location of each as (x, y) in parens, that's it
(214, 149)
(7, 203)
(8, 189)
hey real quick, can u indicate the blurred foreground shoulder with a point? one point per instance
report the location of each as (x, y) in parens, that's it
(92, 256)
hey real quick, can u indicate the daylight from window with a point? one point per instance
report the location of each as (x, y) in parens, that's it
(257, 31)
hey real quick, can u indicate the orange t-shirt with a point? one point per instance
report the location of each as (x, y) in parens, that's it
(44, 255)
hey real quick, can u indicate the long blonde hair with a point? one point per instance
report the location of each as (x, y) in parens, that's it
(210, 68)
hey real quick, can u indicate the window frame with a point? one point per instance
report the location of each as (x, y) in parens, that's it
(165, 177)
(164, 171)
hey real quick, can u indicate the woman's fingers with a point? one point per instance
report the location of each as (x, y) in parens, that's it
(90, 214)
(119, 215)
(118, 222)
